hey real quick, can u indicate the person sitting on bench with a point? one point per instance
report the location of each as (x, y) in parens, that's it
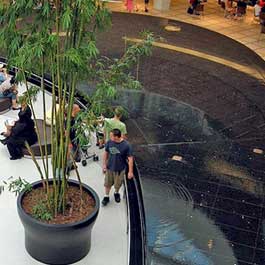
(8, 89)
(23, 130)
(3, 74)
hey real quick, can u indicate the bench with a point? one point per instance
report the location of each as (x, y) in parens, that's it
(5, 105)
(35, 147)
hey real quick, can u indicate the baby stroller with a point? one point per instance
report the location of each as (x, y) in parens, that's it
(84, 153)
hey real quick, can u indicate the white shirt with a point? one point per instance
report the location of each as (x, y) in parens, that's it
(257, 9)
(5, 85)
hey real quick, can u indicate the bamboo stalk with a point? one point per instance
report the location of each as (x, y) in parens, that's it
(79, 180)
(34, 116)
(36, 164)
(44, 114)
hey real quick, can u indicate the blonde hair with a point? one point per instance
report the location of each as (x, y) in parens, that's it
(119, 111)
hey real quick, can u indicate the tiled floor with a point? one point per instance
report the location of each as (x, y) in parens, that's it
(245, 69)
(244, 30)
(110, 225)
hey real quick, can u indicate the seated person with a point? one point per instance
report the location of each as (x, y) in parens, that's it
(23, 130)
(3, 74)
(8, 89)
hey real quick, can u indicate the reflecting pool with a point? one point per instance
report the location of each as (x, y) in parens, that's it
(203, 193)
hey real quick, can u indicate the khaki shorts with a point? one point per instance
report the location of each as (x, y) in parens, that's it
(114, 178)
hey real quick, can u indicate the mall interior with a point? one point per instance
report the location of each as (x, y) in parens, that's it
(197, 131)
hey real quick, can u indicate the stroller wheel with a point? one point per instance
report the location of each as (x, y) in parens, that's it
(84, 163)
(95, 158)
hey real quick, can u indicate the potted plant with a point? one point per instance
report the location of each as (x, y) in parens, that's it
(59, 37)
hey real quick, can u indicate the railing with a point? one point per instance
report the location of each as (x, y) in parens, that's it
(36, 80)
(136, 220)
(135, 208)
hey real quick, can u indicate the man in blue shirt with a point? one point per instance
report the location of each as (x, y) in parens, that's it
(118, 153)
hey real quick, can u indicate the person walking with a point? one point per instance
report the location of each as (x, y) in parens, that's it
(117, 152)
(114, 123)
(129, 5)
(146, 2)
(75, 146)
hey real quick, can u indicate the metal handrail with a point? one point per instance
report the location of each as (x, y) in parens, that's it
(136, 217)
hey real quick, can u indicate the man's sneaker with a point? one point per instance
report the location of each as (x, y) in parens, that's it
(105, 201)
(117, 197)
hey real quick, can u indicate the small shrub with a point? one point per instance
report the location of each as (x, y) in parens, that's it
(17, 185)
(41, 211)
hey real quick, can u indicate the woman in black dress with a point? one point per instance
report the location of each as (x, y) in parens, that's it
(22, 131)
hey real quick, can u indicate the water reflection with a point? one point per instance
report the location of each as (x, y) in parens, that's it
(206, 206)
(164, 120)
(176, 231)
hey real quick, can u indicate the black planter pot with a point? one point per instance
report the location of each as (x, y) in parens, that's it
(56, 243)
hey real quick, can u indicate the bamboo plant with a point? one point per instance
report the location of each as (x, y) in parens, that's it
(59, 38)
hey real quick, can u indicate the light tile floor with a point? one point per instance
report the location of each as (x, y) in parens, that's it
(245, 30)
(109, 237)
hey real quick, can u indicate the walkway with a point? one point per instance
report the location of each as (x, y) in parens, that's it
(245, 30)
(110, 225)
(252, 71)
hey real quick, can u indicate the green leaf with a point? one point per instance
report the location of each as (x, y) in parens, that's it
(66, 18)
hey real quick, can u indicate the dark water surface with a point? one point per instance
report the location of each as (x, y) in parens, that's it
(203, 191)
(204, 206)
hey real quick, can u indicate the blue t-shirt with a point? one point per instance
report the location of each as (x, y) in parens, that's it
(118, 154)
(2, 78)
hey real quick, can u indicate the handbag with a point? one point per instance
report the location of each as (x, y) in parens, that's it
(190, 10)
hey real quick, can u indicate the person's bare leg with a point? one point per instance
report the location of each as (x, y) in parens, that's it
(117, 188)
(14, 103)
(8, 130)
(107, 190)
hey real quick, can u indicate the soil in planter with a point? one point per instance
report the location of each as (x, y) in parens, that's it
(73, 212)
